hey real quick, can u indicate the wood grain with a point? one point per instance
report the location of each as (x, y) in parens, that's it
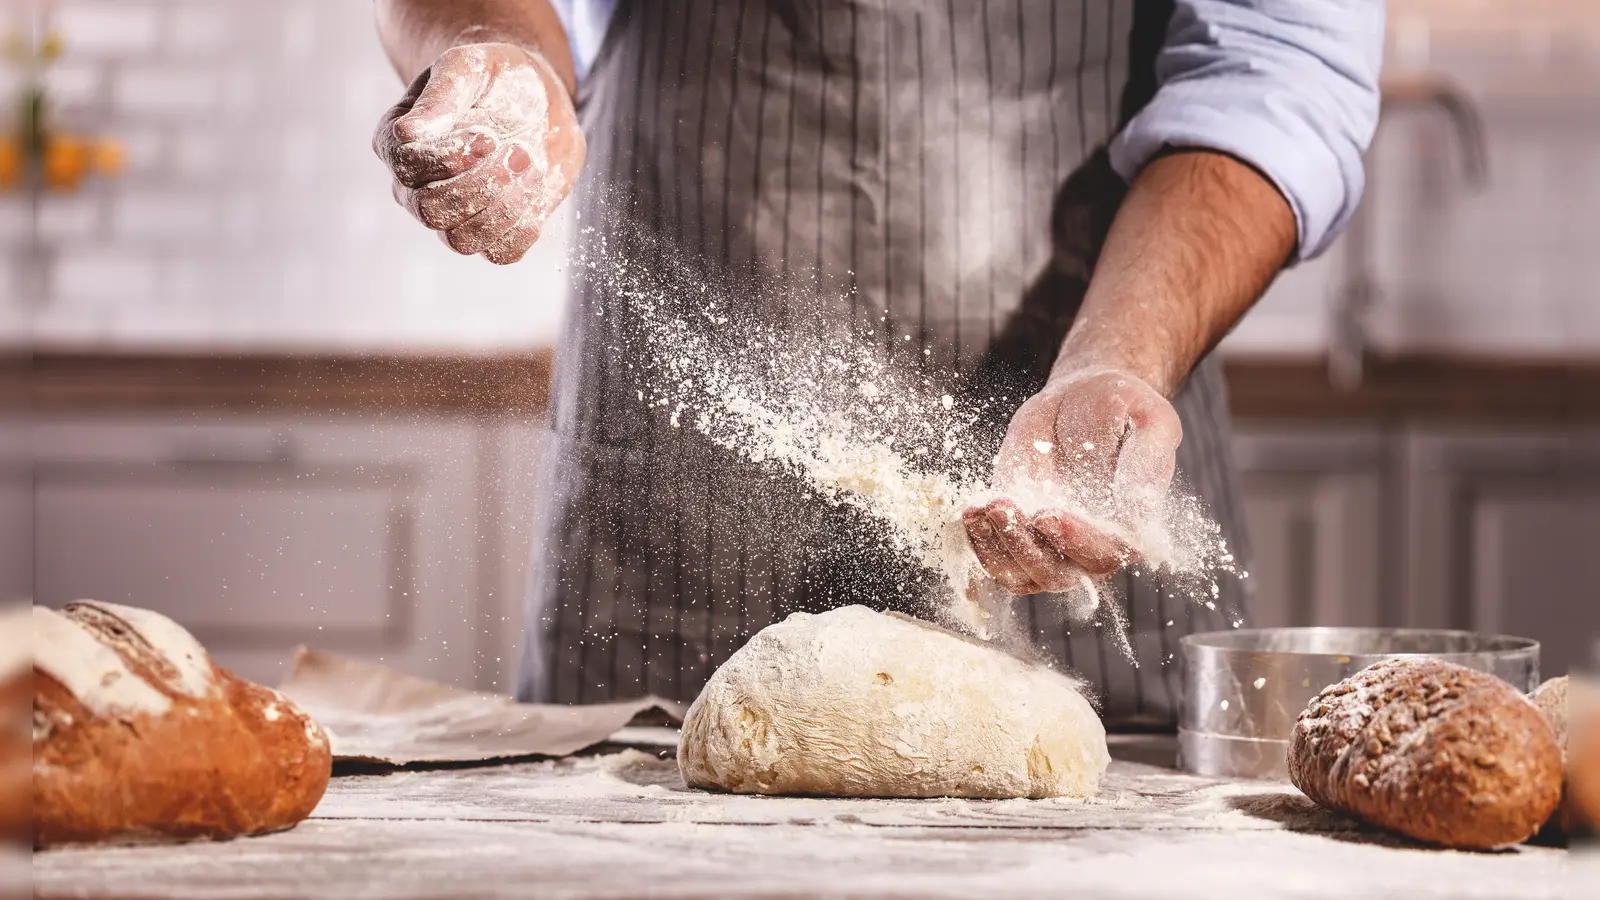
(1437, 389)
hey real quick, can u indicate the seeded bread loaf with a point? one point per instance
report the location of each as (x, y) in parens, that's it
(1432, 750)
(138, 736)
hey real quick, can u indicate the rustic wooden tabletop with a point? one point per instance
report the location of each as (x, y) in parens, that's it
(623, 825)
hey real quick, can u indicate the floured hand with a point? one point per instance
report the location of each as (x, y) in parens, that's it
(1103, 439)
(484, 145)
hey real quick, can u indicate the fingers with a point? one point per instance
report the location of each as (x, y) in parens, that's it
(434, 133)
(418, 164)
(522, 197)
(453, 86)
(1146, 462)
(1047, 569)
(514, 244)
(990, 550)
(445, 205)
(1089, 547)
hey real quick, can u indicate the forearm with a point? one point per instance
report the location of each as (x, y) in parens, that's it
(416, 32)
(1196, 242)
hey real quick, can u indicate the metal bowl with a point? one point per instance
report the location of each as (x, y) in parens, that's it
(1243, 689)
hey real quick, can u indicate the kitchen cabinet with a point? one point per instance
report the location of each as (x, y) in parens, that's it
(403, 535)
(1501, 534)
(1314, 507)
(16, 514)
(1427, 528)
(383, 539)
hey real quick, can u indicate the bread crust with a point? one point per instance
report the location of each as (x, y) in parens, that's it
(1432, 750)
(222, 757)
(1583, 762)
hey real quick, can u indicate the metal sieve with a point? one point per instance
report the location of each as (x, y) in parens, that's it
(1243, 689)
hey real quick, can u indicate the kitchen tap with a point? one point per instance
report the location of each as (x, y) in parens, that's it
(1349, 340)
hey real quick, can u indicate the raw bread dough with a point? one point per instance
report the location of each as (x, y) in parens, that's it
(855, 703)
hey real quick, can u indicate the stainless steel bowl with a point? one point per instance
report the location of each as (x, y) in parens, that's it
(1243, 689)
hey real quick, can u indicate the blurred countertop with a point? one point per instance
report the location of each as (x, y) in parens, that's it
(1447, 389)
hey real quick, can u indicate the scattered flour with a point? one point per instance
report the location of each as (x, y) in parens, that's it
(888, 439)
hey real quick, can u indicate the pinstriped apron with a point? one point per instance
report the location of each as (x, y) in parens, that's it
(938, 167)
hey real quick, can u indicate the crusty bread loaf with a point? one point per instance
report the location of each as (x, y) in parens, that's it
(16, 689)
(1583, 758)
(1432, 750)
(1551, 699)
(139, 736)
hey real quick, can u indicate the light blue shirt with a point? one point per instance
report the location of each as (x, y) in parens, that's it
(1288, 86)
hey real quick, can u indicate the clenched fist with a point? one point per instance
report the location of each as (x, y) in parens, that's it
(1102, 441)
(484, 145)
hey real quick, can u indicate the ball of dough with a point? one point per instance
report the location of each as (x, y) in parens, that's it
(855, 703)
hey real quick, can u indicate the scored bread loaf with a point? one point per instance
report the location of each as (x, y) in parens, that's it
(16, 688)
(1432, 750)
(139, 736)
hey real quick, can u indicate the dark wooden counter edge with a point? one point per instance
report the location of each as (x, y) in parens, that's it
(1460, 389)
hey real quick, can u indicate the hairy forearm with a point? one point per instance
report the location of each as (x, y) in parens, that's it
(416, 32)
(1196, 242)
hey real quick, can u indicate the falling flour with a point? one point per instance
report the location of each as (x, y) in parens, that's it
(887, 439)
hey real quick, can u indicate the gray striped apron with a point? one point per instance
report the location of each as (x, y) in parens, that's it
(938, 166)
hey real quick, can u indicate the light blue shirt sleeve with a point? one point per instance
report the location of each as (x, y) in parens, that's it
(586, 22)
(1288, 86)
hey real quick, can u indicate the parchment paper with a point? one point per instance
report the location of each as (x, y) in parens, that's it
(376, 715)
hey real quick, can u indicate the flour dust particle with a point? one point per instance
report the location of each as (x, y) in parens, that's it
(833, 409)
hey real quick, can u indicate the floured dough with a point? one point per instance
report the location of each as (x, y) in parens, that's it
(855, 703)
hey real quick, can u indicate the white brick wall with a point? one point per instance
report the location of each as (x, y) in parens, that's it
(109, 29)
(253, 213)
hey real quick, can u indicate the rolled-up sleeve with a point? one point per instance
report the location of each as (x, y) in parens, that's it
(1288, 86)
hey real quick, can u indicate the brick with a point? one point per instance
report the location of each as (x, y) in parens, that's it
(107, 28)
(100, 275)
(240, 217)
(167, 90)
(239, 89)
(144, 149)
(198, 28)
(74, 85)
(163, 216)
(303, 151)
(16, 220)
(299, 31)
(199, 153)
(69, 218)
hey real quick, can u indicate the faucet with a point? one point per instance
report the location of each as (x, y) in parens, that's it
(1349, 342)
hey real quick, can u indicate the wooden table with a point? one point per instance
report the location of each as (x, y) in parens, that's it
(623, 825)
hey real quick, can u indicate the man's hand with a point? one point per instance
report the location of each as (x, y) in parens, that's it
(1194, 244)
(1102, 439)
(484, 146)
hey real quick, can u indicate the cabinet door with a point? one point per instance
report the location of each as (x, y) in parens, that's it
(1313, 503)
(1503, 533)
(16, 514)
(518, 455)
(357, 537)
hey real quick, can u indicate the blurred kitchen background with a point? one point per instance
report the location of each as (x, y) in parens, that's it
(264, 401)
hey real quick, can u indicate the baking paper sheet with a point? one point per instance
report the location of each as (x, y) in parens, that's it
(375, 715)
